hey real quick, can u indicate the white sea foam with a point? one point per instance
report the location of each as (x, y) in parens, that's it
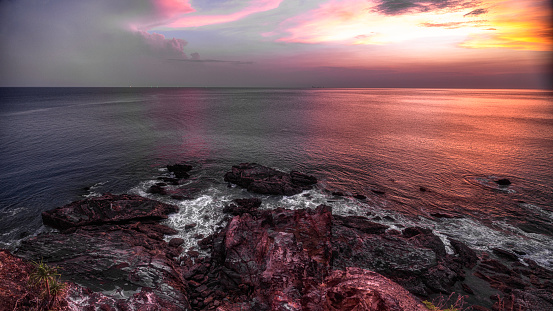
(205, 212)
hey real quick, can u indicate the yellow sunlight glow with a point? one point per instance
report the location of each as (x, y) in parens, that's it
(521, 25)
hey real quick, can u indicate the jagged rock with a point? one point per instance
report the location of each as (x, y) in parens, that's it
(358, 289)
(275, 256)
(281, 260)
(264, 180)
(108, 208)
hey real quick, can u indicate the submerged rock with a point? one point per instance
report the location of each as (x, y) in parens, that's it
(503, 182)
(265, 180)
(180, 170)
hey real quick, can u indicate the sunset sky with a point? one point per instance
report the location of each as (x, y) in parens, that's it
(277, 43)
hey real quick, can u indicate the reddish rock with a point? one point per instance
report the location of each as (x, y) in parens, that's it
(358, 289)
(282, 260)
(264, 180)
(527, 300)
(108, 208)
(15, 291)
(176, 242)
(275, 256)
(114, 248)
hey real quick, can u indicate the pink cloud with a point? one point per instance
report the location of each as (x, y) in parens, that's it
(163, 47)
(255, 6)
(172, 8)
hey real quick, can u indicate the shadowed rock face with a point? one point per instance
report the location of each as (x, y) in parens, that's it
(108, 208)
(265, 180)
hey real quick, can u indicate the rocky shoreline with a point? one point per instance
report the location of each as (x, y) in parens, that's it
(114, 254)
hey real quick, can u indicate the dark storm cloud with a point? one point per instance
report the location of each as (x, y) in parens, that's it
(398, 7)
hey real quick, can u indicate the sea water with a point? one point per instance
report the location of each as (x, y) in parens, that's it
(421, 157)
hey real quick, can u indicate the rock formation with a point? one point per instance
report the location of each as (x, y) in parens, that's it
(264, 180)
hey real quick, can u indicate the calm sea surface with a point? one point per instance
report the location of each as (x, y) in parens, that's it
(63, 144)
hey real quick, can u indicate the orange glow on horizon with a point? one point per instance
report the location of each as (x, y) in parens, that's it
(518, 25)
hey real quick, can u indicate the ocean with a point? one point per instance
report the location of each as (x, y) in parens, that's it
(421, 157)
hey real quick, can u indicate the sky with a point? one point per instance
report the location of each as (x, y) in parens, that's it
(277, 43)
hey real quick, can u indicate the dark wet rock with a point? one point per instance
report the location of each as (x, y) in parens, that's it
(108, 208)
(378, 191)
(528, 300)
(359, 223)
(302, 179)
(175, 242)
(241, 206)
(190, 226)
(505, 254)
(423, 189)
(108, 258)
(493, 266)
(180, 170)
(466, 255)
(182, 193)
(338, 193)
(264, 180)
(156, 189)
(417, 259)
(443, 215)
(360, 197)
(541, 227)
(423, 237)
(503, 182)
